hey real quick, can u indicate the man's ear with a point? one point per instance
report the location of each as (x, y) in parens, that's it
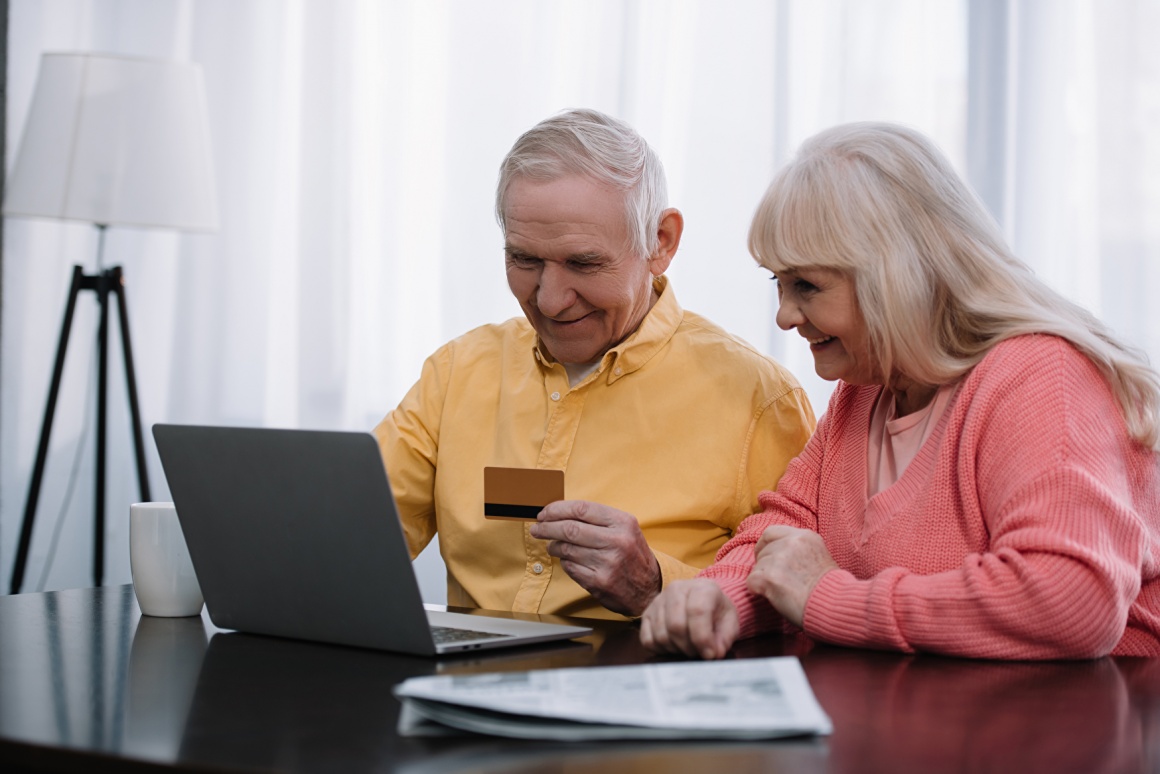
(669, 232)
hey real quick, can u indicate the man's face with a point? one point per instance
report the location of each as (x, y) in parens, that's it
(569, 266)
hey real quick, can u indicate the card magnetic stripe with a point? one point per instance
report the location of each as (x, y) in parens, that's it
(522, 511)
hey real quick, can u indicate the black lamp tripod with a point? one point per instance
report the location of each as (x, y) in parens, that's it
(104, 283)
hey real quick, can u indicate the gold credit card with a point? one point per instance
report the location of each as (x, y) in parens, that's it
(520, 493)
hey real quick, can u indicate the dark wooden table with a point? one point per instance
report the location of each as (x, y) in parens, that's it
(87, 683)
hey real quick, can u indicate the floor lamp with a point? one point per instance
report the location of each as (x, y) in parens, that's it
(113, 141)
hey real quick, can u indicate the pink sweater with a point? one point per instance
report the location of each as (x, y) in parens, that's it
(1028, 526)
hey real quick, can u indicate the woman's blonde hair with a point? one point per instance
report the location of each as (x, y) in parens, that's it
(935, 281)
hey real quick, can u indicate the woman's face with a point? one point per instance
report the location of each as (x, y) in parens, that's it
(822, 305)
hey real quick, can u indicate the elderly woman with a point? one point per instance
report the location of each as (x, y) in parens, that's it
(984, 482)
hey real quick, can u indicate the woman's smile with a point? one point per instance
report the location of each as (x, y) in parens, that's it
(818, 343)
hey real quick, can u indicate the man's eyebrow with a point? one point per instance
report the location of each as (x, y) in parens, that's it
(516, 252)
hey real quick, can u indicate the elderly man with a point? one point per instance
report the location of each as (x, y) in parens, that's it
(666, 427)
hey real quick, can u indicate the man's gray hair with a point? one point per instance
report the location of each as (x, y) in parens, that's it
(601, 148)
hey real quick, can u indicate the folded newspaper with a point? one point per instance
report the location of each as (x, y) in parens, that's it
(736, 699)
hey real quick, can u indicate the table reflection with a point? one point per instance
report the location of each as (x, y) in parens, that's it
(926, 713)
(282, 704)
(84, 678)
(164, 663)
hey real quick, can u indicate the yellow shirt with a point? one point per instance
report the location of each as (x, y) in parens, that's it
(681, 425)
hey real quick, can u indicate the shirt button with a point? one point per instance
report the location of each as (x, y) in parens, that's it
(555, 396)
(618, 371)
(537, 568)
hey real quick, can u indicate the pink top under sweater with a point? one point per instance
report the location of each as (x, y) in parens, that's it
(1028, 526)
(895, 441)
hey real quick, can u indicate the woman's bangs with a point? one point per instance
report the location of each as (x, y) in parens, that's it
(794, 229)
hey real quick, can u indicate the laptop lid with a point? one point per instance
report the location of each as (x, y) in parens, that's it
(294, 533)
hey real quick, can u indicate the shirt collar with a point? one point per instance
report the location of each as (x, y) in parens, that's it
(654, 331)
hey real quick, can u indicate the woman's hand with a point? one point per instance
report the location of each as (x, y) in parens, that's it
(693, 617)
(790, 562)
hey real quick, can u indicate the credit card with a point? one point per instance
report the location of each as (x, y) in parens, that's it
(520, 493)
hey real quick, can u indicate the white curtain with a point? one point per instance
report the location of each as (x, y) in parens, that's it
(356, 145)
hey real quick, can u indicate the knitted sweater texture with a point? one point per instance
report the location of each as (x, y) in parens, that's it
(1028, 526)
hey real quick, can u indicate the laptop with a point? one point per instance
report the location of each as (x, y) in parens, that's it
(294, 533)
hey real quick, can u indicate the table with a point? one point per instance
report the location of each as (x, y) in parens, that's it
(87, 683)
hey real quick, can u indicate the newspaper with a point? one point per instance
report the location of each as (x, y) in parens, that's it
(735, 699)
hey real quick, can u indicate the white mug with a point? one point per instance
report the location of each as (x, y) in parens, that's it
(163, 576)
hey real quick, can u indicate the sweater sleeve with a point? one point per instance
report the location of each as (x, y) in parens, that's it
(1052, 467)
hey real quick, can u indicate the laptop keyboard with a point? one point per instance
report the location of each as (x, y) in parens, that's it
(445, 634)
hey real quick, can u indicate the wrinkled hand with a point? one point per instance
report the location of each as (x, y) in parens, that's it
(604, 551)
(790, 562)
(693, 617)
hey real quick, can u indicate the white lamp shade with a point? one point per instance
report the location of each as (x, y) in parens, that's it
(116, 140)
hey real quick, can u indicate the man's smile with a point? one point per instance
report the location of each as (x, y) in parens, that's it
(567, 323)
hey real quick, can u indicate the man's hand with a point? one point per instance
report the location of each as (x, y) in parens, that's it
(693, 617)
(790, 562)
(604, 551)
